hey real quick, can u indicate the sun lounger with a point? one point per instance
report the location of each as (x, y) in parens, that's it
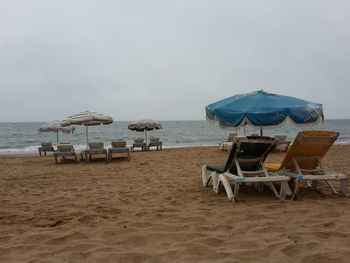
(118, 149)
(63, 151)
(226, 145)
(95, 148)
(245, 165)
(46, 147)
(154, 142)
(282, 143)
(139, 143)
(303, 161)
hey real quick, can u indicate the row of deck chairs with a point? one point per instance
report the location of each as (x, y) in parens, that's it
(97, 149)
(118, 149)
(302, 163)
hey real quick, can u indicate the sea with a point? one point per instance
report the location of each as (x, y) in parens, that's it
(23, 137)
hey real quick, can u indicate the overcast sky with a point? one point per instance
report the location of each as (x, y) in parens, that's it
(167, 60)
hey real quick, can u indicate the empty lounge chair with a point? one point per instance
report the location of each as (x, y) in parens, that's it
(155, 142)
(302, 163)
(139, 143)
(245, 165)
(46, 147)
(63, 151)
(95, 148)
(118, 149)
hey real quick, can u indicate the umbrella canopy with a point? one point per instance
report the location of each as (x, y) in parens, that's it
(262, 109)
(145, 125)
(87, 118)
(55, 126)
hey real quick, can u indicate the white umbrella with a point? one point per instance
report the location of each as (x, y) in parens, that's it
(87, 118)
(55, 126)
(145, 125)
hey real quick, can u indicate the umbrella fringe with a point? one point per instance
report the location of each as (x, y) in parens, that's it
(246, 121)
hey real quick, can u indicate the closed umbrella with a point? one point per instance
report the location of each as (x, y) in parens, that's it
(145, 125)
(55, 126)
(87, 118)
(261, 109)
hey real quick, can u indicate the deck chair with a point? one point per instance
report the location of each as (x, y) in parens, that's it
(303, 161)
(46, 147)
(119, 149)
(282, 143)
(154, 142)
(245, 165)
(95, 148)
(139, 143)
(64, 150)
(226, 145)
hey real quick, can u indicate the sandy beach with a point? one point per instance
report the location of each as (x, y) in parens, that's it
(154, 208)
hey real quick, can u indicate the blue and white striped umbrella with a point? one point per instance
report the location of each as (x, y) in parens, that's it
(262, 109)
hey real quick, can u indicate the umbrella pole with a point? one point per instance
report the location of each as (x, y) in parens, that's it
(261, 131)
(87, 137)
(57, 137)
(146, 136)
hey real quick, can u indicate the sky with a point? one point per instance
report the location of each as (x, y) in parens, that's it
(167, 60)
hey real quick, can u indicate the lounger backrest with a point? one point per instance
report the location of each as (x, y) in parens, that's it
(118, 144)
(46, 144)
(96, 145)
(65, 148)
(65, 143)
(154, 139)
(139, 140)
(281, 137)
(310, 144)
(250, 153)
(232, 137)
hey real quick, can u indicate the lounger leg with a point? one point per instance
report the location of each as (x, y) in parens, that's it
(296, 188)
(56, 159)
(273, 188)
(204, 176)
(314, 185)
(227, 186)
(235, 193)
(331, 186)
(343, 187)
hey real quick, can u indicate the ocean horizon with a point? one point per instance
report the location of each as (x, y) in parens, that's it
(23, 137)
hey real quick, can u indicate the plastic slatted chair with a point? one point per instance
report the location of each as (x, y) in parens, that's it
(303, 161)
(119, 149)
(245, 165)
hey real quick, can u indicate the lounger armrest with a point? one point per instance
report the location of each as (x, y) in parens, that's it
(118, 148)
(276, 178)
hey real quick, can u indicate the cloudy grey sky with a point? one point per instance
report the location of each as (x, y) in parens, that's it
(166, 60)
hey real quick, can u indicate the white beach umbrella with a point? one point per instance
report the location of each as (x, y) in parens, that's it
(145, 125)
(55, 126)
(87, 118)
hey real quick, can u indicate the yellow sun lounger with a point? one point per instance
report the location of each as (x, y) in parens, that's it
(303, 161)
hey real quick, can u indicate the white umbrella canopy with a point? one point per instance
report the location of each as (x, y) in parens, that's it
(145, 125)
(87, 118)
(55, 126)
